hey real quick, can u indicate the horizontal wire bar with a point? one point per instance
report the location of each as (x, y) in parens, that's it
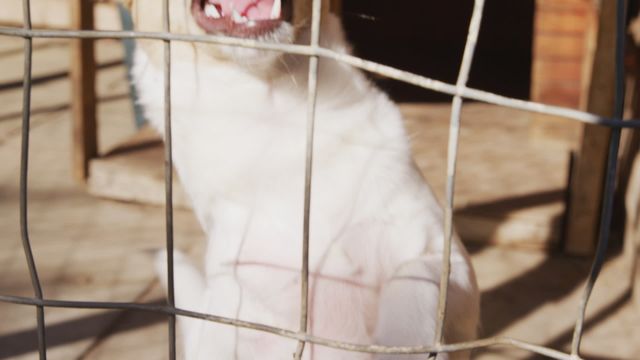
(117, 34)
(401, 75)
(373, 349)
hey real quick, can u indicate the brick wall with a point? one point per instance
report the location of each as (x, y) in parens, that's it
(563, 31)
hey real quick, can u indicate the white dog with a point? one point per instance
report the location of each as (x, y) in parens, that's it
(239, 120)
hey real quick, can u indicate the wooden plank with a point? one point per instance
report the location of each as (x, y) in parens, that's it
(550, 21)
(550, 71)
(83, 94)
(55, 14)
(589, 170)
(629, 181)
(632, 225)
(565, 6)
(560, 46)
(563, 93)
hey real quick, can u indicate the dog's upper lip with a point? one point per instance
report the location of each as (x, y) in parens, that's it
(244, 23)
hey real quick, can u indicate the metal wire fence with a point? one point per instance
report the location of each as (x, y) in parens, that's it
(314, 51)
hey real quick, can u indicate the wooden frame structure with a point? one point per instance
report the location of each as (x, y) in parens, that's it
(573, 66)
(591, 159)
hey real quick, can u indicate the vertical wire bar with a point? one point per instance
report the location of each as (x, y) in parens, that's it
(452, 158)
(610, 182)
(24, 179)
(168, 178)
(312, 92)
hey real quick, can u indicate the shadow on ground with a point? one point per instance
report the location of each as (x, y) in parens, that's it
(519, 297)
(95, 326)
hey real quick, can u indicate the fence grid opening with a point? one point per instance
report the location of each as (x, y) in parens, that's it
(314, 51)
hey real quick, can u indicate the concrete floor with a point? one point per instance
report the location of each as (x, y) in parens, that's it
(93, 249)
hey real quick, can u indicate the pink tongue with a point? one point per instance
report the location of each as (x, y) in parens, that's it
(252, 9)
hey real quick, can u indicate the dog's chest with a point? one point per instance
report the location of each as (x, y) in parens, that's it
(239, 146)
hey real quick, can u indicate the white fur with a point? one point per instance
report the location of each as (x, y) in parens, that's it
(376, 228)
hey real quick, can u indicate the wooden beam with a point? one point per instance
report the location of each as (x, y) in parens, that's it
(629, 182)
(336, 7)
(632, 202)
(83, 94)
(590, 165)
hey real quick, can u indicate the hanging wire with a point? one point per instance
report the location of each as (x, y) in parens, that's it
(610, 181)
(24, 180)
(452, 157)
(168, 177)
(312, 93)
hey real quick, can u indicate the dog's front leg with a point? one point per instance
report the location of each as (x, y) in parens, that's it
(407, 308)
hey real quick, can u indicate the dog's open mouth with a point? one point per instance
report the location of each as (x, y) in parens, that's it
(241, 18)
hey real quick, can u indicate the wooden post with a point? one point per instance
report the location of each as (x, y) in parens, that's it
(336, 7)
(83, 94)
(629, 184)
(590, 165)
(632, 230)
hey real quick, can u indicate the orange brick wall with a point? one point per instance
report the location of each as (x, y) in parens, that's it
(562, 31)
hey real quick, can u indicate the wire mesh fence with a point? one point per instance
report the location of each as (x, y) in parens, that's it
(314, 51)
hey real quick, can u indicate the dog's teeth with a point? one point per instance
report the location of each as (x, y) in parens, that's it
(276, 9)
(237, 18)
(211, 11)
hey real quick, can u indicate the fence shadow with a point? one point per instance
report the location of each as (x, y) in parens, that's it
(94, 326)
(513, 300)
(502, 306)
(595, 319)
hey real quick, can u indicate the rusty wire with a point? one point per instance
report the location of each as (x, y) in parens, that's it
(24, 180)
(370, 66)
(610, 181)
(452, 157)
(312, 93)
(168, 177)
(314, 51)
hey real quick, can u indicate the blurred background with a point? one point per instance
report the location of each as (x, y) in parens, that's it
(528, 193)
